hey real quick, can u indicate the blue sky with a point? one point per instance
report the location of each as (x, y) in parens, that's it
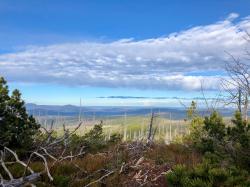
(56, 52)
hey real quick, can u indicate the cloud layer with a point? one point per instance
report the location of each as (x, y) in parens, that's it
(157, 63)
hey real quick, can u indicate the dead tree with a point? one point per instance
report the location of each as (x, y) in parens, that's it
(51, 150)
(151, 130)
(237, 83)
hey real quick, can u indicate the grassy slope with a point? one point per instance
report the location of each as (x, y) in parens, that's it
(136, 127)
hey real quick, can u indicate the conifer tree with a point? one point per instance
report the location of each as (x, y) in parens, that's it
(17, 128)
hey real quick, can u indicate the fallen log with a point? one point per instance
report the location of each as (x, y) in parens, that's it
(21, 181)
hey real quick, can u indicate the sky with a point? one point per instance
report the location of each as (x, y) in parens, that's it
(126, 52)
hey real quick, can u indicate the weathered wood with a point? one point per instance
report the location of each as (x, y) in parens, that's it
(21, 181)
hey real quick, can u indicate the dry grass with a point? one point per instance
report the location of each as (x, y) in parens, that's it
(173, 154)
(122, 159)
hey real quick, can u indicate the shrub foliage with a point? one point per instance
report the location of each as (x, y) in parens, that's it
(226, 150)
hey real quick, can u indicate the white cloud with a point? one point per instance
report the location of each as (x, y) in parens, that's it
(158, 63)
(232, 16)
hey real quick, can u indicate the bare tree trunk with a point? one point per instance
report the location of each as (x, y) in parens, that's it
(151, 130)
(237, 82)
(246, 107)
(239, 100)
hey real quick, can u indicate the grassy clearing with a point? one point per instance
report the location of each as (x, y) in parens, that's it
(135, 127)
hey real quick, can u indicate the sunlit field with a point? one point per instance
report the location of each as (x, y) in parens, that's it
(130, 127)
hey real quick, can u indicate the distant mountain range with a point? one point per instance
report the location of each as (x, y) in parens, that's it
(102, 111)
(156, 98)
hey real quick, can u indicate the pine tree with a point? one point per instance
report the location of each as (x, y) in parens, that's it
(17, 128)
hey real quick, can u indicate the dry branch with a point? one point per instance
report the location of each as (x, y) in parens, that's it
(46, 151)
(100, 179)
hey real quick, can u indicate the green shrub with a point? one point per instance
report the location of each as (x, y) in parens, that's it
(94, 139)
(61, 181)
(207, 174)
(215, 126)
(196, 127)
(115, 138)
(226, 150)
(178, 176)
(75, 142)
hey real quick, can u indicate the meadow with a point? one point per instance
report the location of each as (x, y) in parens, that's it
(132, 128)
